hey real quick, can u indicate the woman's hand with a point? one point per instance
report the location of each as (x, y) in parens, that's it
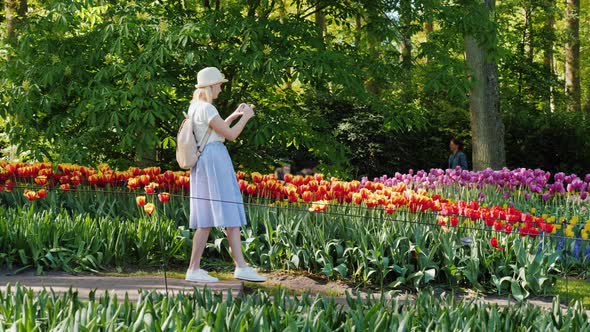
(236, 114)
(222, 127)
(248, 111)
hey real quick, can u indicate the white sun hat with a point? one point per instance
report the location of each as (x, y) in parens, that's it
(209, 76)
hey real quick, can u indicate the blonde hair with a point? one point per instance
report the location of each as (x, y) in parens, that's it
(203, 94)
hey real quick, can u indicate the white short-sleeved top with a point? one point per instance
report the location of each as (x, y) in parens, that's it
(202, 113)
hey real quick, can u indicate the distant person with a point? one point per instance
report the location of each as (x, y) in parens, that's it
(457, 158)
(280, 172)
(307, 171)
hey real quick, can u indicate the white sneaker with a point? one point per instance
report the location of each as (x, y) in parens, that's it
(200, 275)
(249, 274)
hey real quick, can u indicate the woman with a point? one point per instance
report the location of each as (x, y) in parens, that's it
(458, 158)
(217, 201)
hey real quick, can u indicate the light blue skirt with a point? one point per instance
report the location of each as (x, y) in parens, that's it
(216, 200)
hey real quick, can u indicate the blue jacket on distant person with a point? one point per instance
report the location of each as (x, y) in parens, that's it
(458, 159)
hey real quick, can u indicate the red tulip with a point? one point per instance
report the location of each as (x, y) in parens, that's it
(293, 198)
(140, 200)
(144, 179)
(8, 185)
(318, 206)
(508, 229)
(243, 185)
(533, 232)
(109, 177)
(65, 187)
(182, 180)
(133, 183)
(252, 189)
(41, 193)
(498, 226)
(494, 243)
(298, 180)
(150, 188)
(454, 221)
(30, 195)
(489, 222)
(389, 208)
(75, 180)
(11, 169)
(164, 197)
(152, 171)
(169, 176)
(256, 177)
(371, 203)
(41, 180)
(307, 196)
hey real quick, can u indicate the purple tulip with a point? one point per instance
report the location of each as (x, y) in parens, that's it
(481, 196)
(559, 177)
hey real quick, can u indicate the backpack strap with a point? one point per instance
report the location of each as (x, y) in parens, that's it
(205, 138)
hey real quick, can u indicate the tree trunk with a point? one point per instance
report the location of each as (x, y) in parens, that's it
(16, 13)
(357, 31)
(548, 56)
(487, 129)
(572, 55)
(428, 29)
(320, 21)
(528, 42)
(206, 4)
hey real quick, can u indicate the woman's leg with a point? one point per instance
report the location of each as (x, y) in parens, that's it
(235, 243)
(199, 243)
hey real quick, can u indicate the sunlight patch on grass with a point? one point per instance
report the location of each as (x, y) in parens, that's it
(576, 290)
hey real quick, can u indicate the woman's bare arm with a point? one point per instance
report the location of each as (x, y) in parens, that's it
(223, 129)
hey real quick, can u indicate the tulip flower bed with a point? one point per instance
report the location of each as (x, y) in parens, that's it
(203, 311)
(459, 228)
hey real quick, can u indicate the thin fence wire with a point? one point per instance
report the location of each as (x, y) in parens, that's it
(289, 207)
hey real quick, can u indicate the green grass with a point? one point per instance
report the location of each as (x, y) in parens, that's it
(576, 290)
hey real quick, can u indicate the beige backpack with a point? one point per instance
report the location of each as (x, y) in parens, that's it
(187, 149)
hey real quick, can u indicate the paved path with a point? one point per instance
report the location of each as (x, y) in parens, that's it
(61, 282)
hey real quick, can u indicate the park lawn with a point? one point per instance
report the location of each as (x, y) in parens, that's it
(577, 289)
